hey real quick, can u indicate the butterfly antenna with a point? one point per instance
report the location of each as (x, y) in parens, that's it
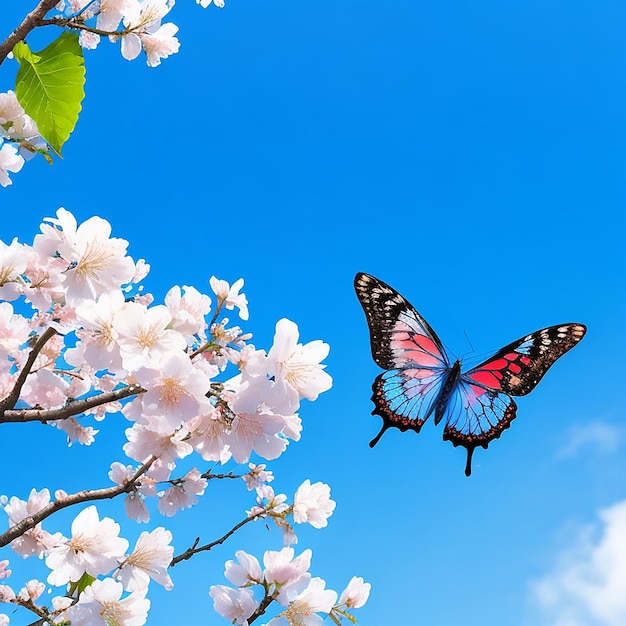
(374, 441)
(469, 341)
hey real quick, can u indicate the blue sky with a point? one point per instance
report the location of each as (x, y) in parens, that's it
(469, 154)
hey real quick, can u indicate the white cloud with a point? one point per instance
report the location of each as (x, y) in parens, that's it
(598, 436)
(587, 587)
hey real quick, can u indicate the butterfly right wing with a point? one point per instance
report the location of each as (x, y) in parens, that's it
(403, 343)
(476, 415)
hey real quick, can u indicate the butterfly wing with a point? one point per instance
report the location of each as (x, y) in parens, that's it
(403, 343)
(481, 407)
(475, 416)
(518, 367)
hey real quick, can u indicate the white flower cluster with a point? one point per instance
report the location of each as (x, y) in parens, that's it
(19, 137)
(286, 580)
(94, 340)
(137, 23)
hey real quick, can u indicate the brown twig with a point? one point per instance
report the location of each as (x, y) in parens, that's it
(87, 495)
(187, 554)
(267, 600)
(10, 401)
(73, 407)
(31, 21)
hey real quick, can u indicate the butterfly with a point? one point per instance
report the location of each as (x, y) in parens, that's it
(420, 379)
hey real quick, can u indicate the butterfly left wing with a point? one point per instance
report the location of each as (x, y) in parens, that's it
(518, 367)
(403, 343)
(482, 407)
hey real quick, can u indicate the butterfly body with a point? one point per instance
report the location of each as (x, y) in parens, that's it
(420, 380)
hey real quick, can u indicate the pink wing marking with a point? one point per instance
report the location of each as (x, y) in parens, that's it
(407, 345)
(487, 378)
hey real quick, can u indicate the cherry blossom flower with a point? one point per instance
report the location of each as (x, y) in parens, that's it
(31, 591)
(188, 310)
(4, 619)
(4, 572)
(101, 604)
(99, 347)
(95, 548)
(144, 28)
(6, 594)
(254, 426)
(257, 476)
(297, 366)
(246, 572)
(60, 603)
(149, 559)
(14, 330)
(355, 595)
(134, 502)
(182, 495)
(229, 296)
(312, 504)
(160, 44)
(155, 438)
(304, 605)
(85, 435)
(45, 389)
(10, 161)
(13, 260)
(236, 605)
(35, 541)
(97, 263)
(208, 435)
(88, 40)
(175, 389)
(10, 108)
(112, 11)
(269, 501)
(144, 336)
(285, 573)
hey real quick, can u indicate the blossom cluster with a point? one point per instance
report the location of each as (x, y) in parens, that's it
(19, 137)
(287, 581)
(80, 339)
(119, 580)
(168, 356)
(137, 23)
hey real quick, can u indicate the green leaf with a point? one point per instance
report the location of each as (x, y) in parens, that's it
(50, 86)
(81, 584)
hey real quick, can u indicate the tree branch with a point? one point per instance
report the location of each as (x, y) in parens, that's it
(73, 407)
(10, 401)
(187, 554)
(28, 523)
(31, 21)
(267, 600)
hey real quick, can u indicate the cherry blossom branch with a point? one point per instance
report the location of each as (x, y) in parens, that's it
(70, 22)
(187, 554)
(208, 475)
(42, 612)
(30, 22)
(263, 605)
(10, 401)
(87, 495)
(73, 407)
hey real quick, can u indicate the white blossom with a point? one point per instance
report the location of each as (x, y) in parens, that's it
(95, 548)
(101, 604)
(312, 504)
(236, 605)
(149, 559)
(355, 595)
